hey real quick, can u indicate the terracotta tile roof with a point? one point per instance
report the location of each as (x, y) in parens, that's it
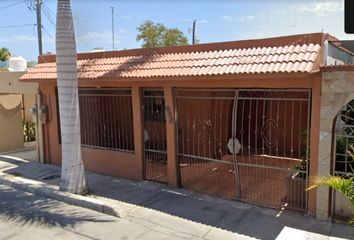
(292, 54)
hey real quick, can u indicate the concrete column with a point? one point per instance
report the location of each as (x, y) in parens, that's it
(138, 123)
(336, 90)
(172, 170)
(314, 133)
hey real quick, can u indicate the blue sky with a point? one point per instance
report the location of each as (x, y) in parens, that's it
(223, 20)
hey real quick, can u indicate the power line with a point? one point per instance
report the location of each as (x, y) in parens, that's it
(13, 4)
(48, 14)
(45, 30)
(18, 26)
(48, 9)
(85, 44)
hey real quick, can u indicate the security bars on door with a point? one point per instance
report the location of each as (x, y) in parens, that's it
(246, 144)
(155, 135)
(107, 119)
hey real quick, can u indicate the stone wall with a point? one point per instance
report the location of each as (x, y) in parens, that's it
(336, 91)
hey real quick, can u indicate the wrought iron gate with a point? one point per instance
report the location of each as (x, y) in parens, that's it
(343, 164)
(251, 145)
(155, 135)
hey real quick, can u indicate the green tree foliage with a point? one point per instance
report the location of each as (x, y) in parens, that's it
(4, 54)
(158, 35)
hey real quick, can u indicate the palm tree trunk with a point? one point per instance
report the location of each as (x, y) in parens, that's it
(72, 172)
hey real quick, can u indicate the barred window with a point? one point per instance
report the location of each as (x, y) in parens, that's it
(107, 119)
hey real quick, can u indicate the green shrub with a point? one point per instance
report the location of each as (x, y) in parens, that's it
(29, 131)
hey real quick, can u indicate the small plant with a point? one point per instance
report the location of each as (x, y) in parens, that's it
(343, 184)
(29, 131)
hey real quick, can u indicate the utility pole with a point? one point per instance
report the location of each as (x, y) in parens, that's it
(193, 32)
(39, 26)
(112, 28)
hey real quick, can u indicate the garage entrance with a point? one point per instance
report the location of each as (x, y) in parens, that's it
(245, 144)
(155, 153)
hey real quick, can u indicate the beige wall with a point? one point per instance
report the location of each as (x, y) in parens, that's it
(11, 134)
(9, 83)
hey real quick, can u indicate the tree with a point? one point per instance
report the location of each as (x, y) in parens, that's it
(4, 54)
(158, 35)
(72, 171)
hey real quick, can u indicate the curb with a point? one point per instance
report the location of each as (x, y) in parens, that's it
(51, 191)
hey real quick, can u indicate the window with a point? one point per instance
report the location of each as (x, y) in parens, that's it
(107, 118)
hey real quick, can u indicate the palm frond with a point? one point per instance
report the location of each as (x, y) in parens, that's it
(342, 185)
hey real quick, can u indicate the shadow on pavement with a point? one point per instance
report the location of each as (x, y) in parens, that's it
(233, 216)
(27, 209)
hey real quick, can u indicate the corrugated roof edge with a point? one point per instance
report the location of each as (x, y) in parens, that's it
(248, 43)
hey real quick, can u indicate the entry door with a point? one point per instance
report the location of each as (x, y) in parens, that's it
(154, 134)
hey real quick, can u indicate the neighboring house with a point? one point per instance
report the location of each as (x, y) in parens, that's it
(249, 120)
(11, 130)
(16, 100)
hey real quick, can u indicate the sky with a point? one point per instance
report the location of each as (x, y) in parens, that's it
(217, 21)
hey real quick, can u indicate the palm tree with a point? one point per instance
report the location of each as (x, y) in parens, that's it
(72, 172)
(4, 54)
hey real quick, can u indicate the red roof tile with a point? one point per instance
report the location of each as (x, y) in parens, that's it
(282, 55)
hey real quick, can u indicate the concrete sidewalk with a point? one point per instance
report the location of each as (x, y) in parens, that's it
(185, 214)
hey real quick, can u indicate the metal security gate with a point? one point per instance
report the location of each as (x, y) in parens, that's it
(250, 145)
(343, 164)
(155, 153)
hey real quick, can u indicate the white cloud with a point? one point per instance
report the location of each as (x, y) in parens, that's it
(125, 17)
(247, 18)
(320, 8)
(99, 37)
(226, 18)
(288, 18)
(24, 38)
(19, 38)
(103, 38)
